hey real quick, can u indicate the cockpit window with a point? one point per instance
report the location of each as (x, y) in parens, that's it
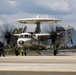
(25, 36)
(21, 36)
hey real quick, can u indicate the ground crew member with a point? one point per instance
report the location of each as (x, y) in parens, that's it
(2, 49)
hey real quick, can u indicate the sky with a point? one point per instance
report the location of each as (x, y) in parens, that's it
(11, 10)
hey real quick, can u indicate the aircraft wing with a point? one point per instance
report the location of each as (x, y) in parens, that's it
(43, 36)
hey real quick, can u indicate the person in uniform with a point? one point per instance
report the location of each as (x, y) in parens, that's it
(2, 49)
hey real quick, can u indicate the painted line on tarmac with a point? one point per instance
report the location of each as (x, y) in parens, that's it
(70, 71)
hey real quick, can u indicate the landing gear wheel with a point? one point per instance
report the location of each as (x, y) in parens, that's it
(16, 52)
(55, 52)
(25, 53)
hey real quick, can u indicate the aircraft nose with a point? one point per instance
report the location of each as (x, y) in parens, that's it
(21, 42)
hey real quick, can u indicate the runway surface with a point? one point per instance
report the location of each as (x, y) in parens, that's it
(38, 65)
(62, 64)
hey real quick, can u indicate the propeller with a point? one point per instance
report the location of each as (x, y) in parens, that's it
(55, 32)
(70, 36)
(71, 41)
(6, 36)
(51, 28)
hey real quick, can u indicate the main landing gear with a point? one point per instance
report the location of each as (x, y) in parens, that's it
(55, 52)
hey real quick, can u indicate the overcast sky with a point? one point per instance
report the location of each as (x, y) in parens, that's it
(16, 9)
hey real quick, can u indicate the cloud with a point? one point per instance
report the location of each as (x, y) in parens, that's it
(7, 7)
(12, 3)
(43, 7)
(14, 9)
(51, 7)
(55, 6)
(1, 22)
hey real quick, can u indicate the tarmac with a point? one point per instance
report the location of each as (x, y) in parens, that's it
(38, 65)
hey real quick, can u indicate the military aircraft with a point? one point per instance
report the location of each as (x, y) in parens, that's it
(54, 36)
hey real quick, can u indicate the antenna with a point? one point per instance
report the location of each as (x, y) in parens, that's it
(38, 16)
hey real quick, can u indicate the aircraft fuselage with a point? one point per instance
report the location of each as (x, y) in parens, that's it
(30, 41)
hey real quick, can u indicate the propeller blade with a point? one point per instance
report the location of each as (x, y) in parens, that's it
(9, 27)
(6, 32)
(2, 29)
(71, 41)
